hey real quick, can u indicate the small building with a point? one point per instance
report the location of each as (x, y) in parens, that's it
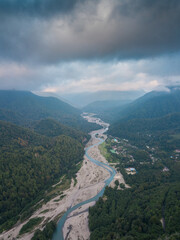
(130, 170)
(177, 151)
(165, 169)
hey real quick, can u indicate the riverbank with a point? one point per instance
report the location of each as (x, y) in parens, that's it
(76, 226)
(90, 180)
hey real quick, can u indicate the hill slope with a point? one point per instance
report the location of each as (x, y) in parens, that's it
(150, 208)
(27, 107)
(10, 116)
(153, 105)
(153, 118)
(52, 128)
(83, 99)
(106, 110)
(30, 163)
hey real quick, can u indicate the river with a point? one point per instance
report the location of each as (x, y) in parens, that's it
(58, 235)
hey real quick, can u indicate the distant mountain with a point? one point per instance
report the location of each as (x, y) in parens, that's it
(127, 129)
(156, 114)
(52, 128)
(35, 107)
(105, 105)
(153, 105)
(106, 110)
(149, 129)
(30, 164)
(82, 99)
(22, 108)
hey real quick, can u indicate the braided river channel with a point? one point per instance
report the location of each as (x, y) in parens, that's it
(58, 235)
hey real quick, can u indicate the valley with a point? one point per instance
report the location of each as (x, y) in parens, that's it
(75, 221)
(82, 193)
(89, 120)
(120, 181)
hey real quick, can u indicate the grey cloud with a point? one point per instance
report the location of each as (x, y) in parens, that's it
(91, 76)
(39, 8)
(102, 29)
(151, 27)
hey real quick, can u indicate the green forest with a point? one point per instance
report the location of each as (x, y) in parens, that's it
(47, 144)
(135, 213)
(148, 133)
(25, 108)
(52, 128)
(152, 120)
(148, 210)
(30, 163)
(162, 132)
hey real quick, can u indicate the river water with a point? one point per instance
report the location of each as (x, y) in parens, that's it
(58, 234)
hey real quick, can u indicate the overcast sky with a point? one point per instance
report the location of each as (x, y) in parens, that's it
(88, 45)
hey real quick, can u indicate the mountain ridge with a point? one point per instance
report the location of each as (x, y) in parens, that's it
(30, 164)
(23, 108)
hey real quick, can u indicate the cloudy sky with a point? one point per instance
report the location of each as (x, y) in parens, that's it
(88, 45)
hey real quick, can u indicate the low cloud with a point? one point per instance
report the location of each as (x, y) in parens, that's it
(91, 76)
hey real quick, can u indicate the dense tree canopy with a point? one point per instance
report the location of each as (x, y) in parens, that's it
(52, 128)
(29, 164)
(23, 108)
(149, 141)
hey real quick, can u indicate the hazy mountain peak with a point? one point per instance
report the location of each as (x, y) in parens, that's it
(82, 99)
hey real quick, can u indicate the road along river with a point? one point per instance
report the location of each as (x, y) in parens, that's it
(58, 235)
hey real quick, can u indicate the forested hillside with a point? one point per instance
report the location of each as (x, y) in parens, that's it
(10, 116)
(150, 208)
(23, 108)
(146, 106)
(167, 122)
(148, 140)
(163, 132)
(30, 163)
(154, 117)
(53, 128)
(135, 214)
(152, 105)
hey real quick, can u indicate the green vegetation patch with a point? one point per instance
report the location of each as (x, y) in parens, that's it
(104, 151)
(45, 211)
(52, 128)
(176, 136)
(29, 170)
(30, 225)
(113, 151)
(59, 199)
(134, 213)
(137, 213)
(47, 232)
